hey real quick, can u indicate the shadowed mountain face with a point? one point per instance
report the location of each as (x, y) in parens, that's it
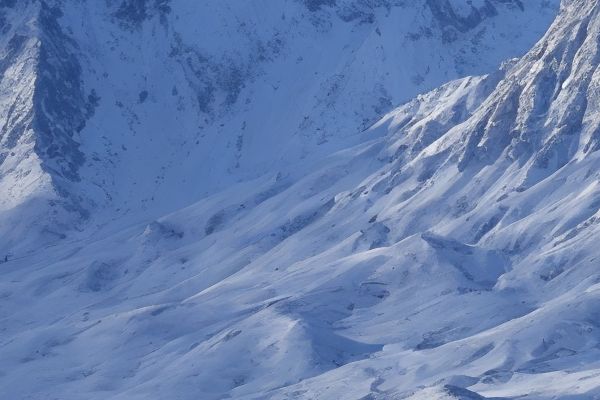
(447, 251)
(93, 90)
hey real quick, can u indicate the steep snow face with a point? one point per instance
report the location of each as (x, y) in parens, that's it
(146, 106)
(18, 78)
(548, 103)
(43, 107)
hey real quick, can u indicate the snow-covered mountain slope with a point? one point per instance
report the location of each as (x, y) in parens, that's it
(448, 254)
(43, 108)
(143, 107)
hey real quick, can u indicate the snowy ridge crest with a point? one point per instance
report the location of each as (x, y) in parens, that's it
(46, 105)
(541, 114)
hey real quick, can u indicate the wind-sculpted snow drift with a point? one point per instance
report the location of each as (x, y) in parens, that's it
(448, 253)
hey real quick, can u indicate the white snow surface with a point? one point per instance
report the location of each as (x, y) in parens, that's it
(446, 252)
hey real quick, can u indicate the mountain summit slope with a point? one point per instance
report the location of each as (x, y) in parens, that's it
(448, 254)
(496, 180)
